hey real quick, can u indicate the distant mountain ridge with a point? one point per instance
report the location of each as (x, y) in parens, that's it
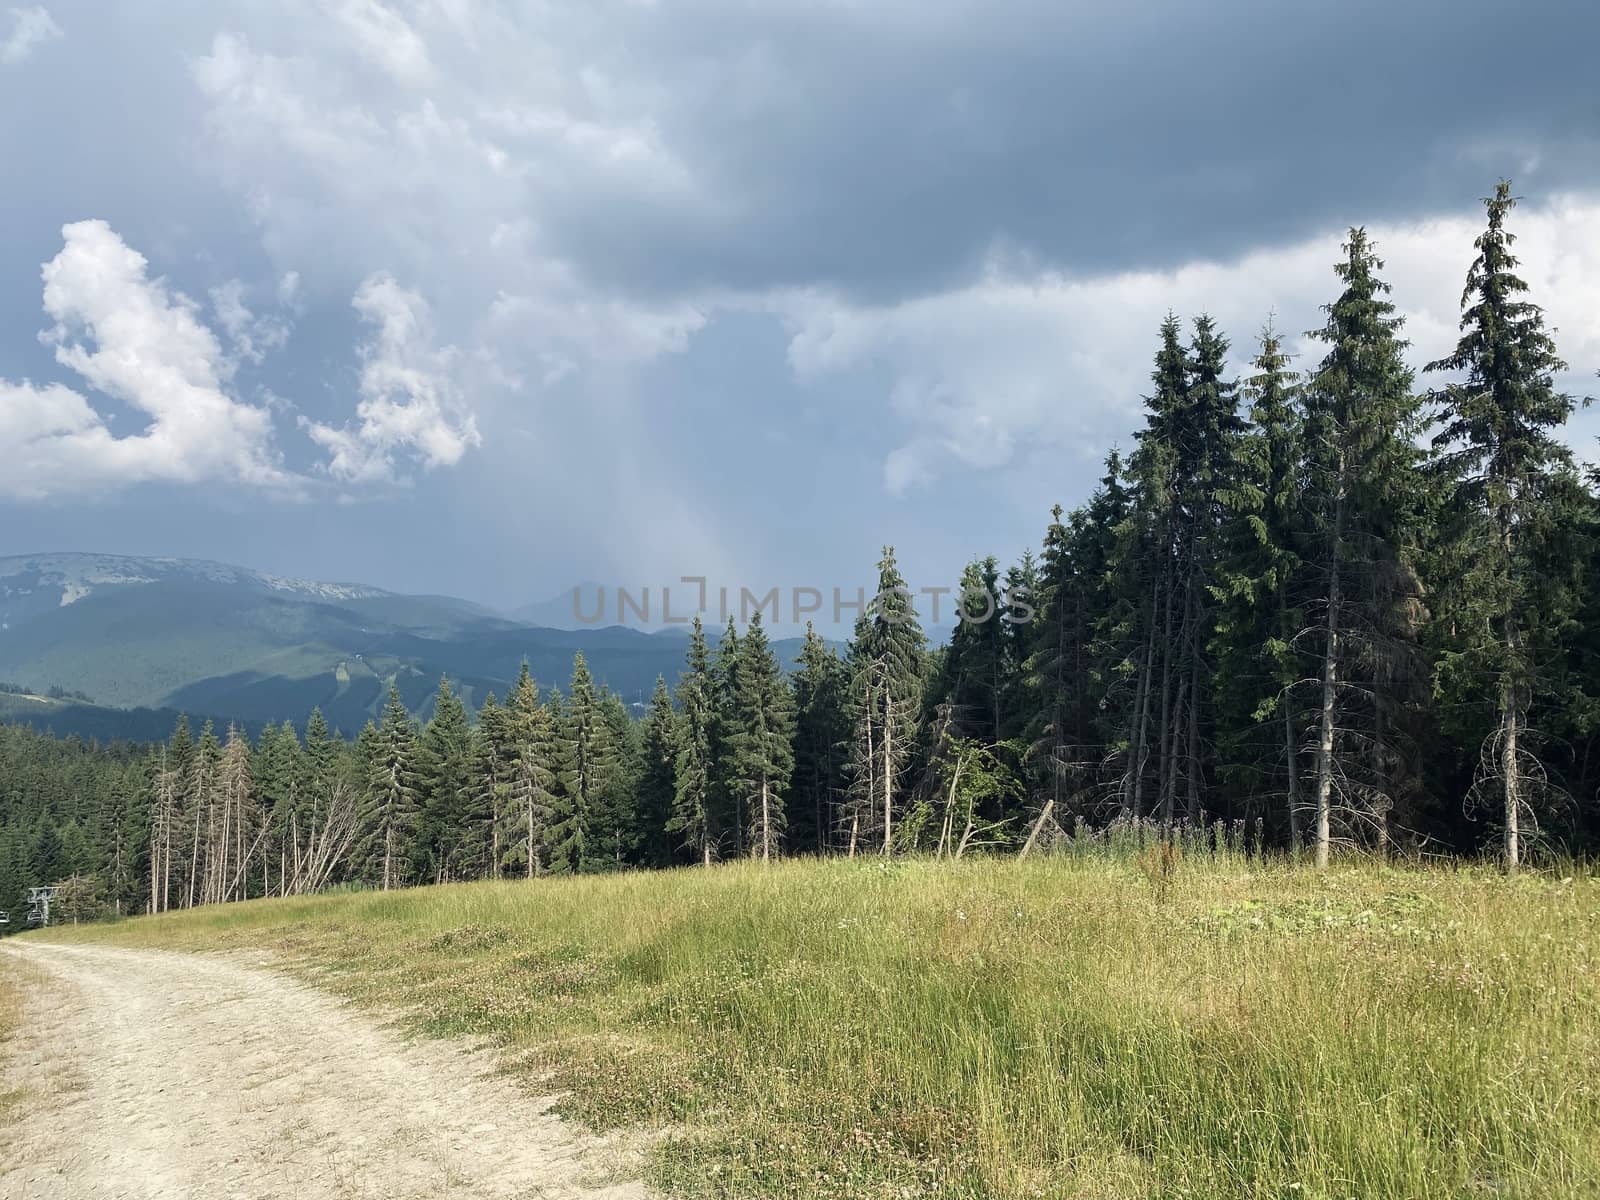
(231, 643)
(80, 575)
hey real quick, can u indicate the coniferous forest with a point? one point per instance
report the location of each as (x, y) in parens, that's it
(1330, 607)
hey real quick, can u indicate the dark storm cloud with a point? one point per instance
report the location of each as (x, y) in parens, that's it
(886, 148)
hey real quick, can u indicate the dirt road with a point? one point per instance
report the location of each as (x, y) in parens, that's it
(182, 1076)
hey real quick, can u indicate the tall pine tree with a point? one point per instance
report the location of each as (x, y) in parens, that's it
(393, 776)
(886, 683)
(658, 779)
(763, 745)
(1361, 502)
(693, 817)
(588, 758)
(1507, 473)
(820, 730)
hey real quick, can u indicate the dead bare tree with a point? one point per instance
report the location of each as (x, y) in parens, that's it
(320, 850)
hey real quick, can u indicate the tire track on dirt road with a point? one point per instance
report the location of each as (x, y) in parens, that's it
(155, 1074)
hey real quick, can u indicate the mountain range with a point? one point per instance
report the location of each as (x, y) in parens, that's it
(115, 646)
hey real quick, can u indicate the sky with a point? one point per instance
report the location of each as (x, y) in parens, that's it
(489, 299)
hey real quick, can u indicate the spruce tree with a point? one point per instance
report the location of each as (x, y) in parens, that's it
(1573, 707)
(321, 753)
(614, 829)
(315, 768)
(534, 757)
(1258, 739)
(1361, 501)
(693, 818)
(1208, 482)
(887, 663)
(203, 790)
(1052, 671)
(820, 729)
(493, 775)
(394, 768)
(279, 771)
(726, 726)
(977, 668)
(658, 779)
(449, 842)
(232, 840)
(1073, 697)
(1018, 614)
(1146, 569)
(168, 807)
(365, 755)
(1506, 472)
(552, 735)
(588, 758)
(762, 751)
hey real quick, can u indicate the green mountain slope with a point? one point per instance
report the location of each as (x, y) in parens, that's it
(226, 642)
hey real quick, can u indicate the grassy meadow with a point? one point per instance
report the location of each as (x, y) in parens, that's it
(1053, 1028)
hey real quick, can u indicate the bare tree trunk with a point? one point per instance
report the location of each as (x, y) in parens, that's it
(855, 825)
(494, 832)
(1508, 764)
(966, 834)
(1291, 758)
(243, 867)
(888, 770)
(1169, 753)
(1033, 836)
(223, 841)
(161, 836)
(194, 857)
(388, 854)
(531, 848)
(211, 852)
(766, 822)
(166, 864)
(820, 800)
(1194, 738)
(1163, 761)
(949, 811)
(1291, 765)
(1330, 679)
(1330, 682)
(1138, 751)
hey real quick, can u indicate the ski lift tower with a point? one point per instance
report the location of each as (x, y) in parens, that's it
(39, 905)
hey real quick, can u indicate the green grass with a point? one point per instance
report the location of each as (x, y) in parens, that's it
(11, 1016)
(1050, 1028)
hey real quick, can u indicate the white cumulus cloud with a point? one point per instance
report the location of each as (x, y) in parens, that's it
(137, 341)
(134, 340)
(1021, 360)
(30, 29)
(387, 39)
(251, 335)
(410, 402)
(459, 173)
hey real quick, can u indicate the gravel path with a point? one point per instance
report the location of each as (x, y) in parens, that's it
(153, 1074)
